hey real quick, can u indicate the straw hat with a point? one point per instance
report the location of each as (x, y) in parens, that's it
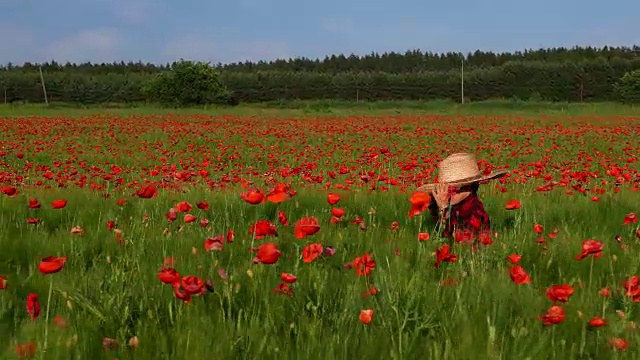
(458, 170)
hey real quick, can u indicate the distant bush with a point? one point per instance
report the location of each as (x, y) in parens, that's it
(188, 83)
(629, 87)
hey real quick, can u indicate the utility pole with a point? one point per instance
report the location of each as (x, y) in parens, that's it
(4, 88)
(462, 80)
(44, 88)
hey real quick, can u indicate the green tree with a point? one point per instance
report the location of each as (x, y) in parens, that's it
(188, 83)
(629, 87)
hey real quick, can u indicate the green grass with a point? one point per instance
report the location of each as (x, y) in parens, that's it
(341, 108)
(111, 290)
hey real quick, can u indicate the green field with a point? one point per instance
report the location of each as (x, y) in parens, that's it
(332, 107)
(108, 290)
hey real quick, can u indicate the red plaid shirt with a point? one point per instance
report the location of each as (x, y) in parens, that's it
(467, 219)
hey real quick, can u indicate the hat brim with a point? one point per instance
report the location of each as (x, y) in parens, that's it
(493, 175)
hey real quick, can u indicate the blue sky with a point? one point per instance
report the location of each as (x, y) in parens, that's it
(236, 30)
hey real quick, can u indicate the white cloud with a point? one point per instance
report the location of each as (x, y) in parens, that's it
(199, 48)
(95, 45)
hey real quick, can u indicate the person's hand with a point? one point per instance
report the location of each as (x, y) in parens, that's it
(441, 196)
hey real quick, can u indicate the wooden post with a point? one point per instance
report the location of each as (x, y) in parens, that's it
(44, 88)
(462, 80)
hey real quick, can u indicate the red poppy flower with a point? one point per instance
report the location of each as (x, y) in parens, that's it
(33, 305)
(51, 264)
(267, 254)
(537, 228)
(555, 315)
(372, 291)
(34, 204)
(560, 293)
(283, 289)
(366, 316)
(597, 322)
(514, 258)
(590, 247)
(443, 254)
(513, 205)
(180, 294)
(311, 252)
(519, 275)
(9, 191)
(169, 276)
(203, 205)
(262, 228)
(333, 199)
(364, 265)
(192, 285)
(306, 227)
(147, 192)
(214, 243)
(183, 206)
(288, 278)
(631, 288)
(253, 197)
(26, 350)
(172, 215)
(618, 344)
(277, 197)
(58, 204)
(282, 218)
(419, 203)
(337, 212)
(630, 218)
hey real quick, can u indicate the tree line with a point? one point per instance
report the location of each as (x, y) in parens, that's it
(559, 74)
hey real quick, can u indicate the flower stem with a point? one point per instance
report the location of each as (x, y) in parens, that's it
(46, 317)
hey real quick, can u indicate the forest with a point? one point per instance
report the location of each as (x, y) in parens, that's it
(578, 74)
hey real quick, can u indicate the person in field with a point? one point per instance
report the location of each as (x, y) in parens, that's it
(454, 199)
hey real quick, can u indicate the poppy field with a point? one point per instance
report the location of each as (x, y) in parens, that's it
(223, 237)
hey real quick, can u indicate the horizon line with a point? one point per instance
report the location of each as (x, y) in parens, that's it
(631, 48)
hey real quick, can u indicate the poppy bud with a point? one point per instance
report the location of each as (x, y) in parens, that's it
(329, 251)
(209, 285)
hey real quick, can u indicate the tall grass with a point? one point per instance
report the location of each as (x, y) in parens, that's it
(469, 309)
(339, 108)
